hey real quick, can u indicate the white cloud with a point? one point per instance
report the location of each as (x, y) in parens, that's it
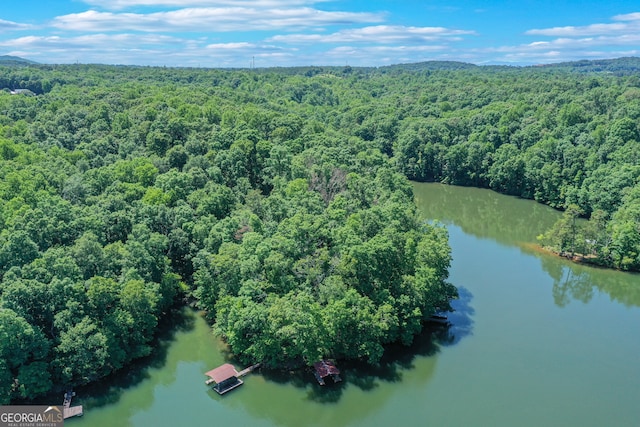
(153, 49)
(92, 41)
(210, 20)
(571, 44)
(146, 49)
(384, 55)
(622, 40)
(379, 34)
(189, 33)
(342, 50)
(599, 40)
(12, 26)
(247, 50)
(20, 53)
(628, 17)
(124, 4)
(101, 48)
(631, 23)
(235, 46)
(565, 49)
(588, 30)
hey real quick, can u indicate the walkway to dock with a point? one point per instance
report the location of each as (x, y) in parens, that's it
(248, 370)
(69, 411)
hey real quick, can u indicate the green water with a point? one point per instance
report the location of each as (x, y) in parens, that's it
(536, 341)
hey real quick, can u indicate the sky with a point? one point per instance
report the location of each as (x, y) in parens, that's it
(273, 33)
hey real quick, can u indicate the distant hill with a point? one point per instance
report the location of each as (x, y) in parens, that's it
(15, 60)
(618, 66)
(431, 65)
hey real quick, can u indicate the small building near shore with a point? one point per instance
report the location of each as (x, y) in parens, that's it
(225, 378)
(325, 368)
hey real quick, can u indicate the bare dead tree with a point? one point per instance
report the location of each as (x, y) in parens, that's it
(329, 187)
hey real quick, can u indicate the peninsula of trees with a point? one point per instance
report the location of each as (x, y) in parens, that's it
(278, 200)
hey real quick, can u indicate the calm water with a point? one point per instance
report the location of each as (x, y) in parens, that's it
(536, 341)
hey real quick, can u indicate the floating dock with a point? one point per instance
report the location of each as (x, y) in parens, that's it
(69, 411)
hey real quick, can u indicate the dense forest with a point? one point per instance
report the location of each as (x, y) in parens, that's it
(278, 200)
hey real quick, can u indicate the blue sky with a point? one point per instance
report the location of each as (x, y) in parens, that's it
(233, 33)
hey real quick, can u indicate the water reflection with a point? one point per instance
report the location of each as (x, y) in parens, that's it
(485, 213)
(581, 283)
(516, 222)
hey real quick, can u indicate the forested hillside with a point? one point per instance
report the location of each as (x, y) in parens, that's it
(124, 191)
(278, 200)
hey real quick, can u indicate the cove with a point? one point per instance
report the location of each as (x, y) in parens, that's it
(536, 340)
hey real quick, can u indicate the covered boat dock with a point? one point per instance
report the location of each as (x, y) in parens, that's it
(225, 378)
(325, 368)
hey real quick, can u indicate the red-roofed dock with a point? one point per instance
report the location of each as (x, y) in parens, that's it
(225, 377)
(325, 368)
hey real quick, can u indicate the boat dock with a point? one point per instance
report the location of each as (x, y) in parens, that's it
(439, 318)
(225, 378)
(326, 368)
(69, 411)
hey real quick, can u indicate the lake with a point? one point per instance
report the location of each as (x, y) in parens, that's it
(536, 341)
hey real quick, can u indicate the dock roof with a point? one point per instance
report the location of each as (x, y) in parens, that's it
(325, 368)
(222, 373)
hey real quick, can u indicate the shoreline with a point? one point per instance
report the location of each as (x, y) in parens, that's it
(590, 260)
